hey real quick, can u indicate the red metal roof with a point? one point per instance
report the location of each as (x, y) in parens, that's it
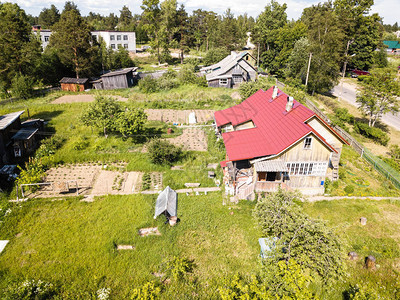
(275, 128)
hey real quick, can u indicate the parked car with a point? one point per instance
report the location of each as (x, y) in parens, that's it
(355, 73)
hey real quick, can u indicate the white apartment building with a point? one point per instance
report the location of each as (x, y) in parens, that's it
(113, 39)
(116, 39)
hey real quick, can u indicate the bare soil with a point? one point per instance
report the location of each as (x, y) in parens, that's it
(81, 98)
(91, 179)
(192, 139)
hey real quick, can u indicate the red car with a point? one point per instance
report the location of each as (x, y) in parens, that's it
(356, 73)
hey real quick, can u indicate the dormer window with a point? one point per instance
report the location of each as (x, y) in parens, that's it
(307, 143)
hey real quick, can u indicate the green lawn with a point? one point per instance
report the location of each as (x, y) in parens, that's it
(73, 243)
(380, 238)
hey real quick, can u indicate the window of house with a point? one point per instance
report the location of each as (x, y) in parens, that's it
(118, 37)
(223, 81)
(125, 37)
(112, 46)
(237, 79)
(307, 143)
(112, 37)
(126, 46)
(46, 38)
(307, 168)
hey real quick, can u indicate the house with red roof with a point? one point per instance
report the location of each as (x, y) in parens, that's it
(273, 141)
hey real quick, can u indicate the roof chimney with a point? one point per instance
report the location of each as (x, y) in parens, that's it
(289, 104)
(275, 92)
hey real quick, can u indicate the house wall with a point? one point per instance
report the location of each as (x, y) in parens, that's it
(6, 142)
(310, 185)
(115, 82)
(129, 44)
(321, 128)
(215, 83)
(251, 73)
(72, 87)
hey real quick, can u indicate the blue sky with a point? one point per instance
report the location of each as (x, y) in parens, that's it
(388, 9)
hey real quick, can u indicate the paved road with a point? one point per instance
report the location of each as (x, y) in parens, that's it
(349, 95)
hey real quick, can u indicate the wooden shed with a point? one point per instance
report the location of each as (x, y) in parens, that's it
(119, 79)
(74, 84)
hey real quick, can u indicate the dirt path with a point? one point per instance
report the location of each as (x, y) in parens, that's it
(331, 198)
(81, 98)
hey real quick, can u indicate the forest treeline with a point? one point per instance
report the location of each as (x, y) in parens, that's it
(331, 33)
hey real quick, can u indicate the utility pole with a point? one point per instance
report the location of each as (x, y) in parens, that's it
(308, 68)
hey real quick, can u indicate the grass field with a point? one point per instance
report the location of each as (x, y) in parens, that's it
(380, 238)
(73, 243)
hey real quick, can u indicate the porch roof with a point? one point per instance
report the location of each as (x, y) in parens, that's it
(271, 166)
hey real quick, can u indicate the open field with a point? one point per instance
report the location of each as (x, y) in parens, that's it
(379, 237)
(73, 243)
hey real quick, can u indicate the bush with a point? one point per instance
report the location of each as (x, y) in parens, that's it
(148, 85)
(178, 267)
(249, 88)
(33, 173)
(162, 152)
(344, 115)
(349, 189)
(130, 121)
(362, 77)
(186, 75)
(148, 291)
(22, 86)
(394, 152)
(376, 134)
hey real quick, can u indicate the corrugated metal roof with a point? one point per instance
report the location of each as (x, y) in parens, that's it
(120, 72)
(6, 120)
(275, 129)
(74, 80)
(226, 64)
(392, 44)
(24, 134)
(271, 166)
(166, 201)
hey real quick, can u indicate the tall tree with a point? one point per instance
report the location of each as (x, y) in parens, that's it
(266, 31)
(19, 48)
(183, 35)
(49, 16)
(379, 95)
(168, 27)
(125, 19)
(325, 37)
(72, 40)
(150, 18)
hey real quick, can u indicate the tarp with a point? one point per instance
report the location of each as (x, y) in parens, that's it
(166, 201)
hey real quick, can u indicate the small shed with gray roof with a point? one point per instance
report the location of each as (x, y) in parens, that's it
(119, 79)
(9, 125)
(74, 84)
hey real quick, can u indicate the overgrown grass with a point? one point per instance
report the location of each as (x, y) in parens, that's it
(73, 243)
(380, 238)
(358, 178)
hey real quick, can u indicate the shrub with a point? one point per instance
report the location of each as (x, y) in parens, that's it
(33, 173)
(49, 146)
(130, 121)
(148, 85)
(80, 144)
(162, 152)
(148, 291)
(394, 151)
(376, 134)
(349, 189)
(344, 115)
(249, 88)
(22, 86)
(146, 181)
(362, 77)
(186, 75)
(178, 267)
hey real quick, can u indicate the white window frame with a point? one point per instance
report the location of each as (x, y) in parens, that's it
(112, 46)
(223, 81)
(112, 37)
(307, 168)
(118, 37)
(237, 79)
(46, 38)
(126, 46)
(125, 37)
(306, 145)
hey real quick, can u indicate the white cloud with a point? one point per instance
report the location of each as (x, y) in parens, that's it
(388, 9)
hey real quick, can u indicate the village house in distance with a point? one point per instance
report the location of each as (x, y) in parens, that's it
(273, 141)
(231, 71)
